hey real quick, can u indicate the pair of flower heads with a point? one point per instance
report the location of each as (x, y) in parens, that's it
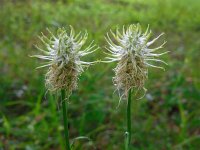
(129, 47)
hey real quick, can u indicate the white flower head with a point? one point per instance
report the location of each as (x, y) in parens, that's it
(131, 51)
(63, 53)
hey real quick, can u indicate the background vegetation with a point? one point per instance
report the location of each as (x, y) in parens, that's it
(168, 118)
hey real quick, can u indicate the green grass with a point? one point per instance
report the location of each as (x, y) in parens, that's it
(167, 118)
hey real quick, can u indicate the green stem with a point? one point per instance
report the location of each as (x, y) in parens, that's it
(64, 108)
(128, 115)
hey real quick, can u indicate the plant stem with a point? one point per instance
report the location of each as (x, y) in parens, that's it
(129, 120)
(64, 108)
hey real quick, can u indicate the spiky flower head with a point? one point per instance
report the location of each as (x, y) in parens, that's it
(63, 53)
(131, 51)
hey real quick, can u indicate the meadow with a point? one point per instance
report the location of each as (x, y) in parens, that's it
(167, 118)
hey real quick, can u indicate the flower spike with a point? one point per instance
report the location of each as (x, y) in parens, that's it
(131, 50)
(63, 54)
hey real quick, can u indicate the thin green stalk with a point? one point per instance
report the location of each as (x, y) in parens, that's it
(128, 115)
(64, 108)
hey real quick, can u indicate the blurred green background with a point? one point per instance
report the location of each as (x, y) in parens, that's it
(168, 118)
